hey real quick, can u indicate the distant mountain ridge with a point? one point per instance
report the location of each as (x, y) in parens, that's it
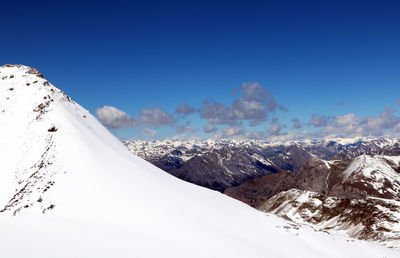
(222, 163)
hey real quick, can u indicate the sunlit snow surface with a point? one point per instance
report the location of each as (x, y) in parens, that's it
(78, 192)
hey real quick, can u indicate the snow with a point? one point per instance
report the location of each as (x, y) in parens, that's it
(327, 163)
(106, 202)
(376, 169)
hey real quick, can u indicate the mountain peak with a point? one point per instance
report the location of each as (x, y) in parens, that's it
(33, 112)
(15, 66)
(19, 69)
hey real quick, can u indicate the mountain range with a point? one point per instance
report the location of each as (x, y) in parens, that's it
(350, 186)
(222, 163)
(69, 188)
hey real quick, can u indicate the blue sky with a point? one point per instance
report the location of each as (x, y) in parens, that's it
(336, 60)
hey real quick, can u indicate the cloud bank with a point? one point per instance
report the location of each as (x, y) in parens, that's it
(352, 125)
(114, 118)
(248, 115)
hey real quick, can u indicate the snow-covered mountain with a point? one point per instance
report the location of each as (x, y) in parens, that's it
(222, 163)
(76, 191)
(359, 197)
(325, 148)
(389, 147)
(377, 176)
(369, 218)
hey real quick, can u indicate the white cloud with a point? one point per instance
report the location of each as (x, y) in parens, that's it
(185, 109)
(319, 121)
(296, 123)
(186, 128)
(218, 113)
(274, 128)
(352, 125)
(253, 106)
(155, 117)
(114, 118)
(232, 131)
(249, 109)
(209, 128)
(148, 132)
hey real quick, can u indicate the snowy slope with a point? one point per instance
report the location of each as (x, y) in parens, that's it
(76, 191)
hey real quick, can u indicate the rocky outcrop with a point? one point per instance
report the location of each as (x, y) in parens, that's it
(367, 219)
(360, 197)
(356, 179)
(255, 192)
(315, 175)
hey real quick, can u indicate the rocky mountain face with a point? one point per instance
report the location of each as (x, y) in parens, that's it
(363, 176)
(314, 175)
(358, 196)
(368, 218)
(223, 163)
(230, 166)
